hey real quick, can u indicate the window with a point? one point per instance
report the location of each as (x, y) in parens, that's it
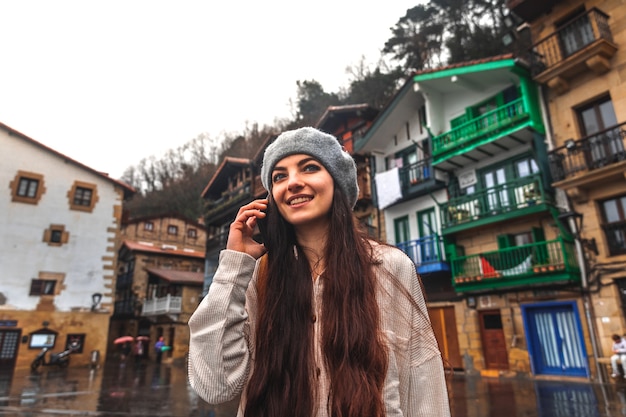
(56, 235)
(192, 233)
(42, 287)
(148, 226)
(614, 213)
(27, 187)
(83, 196)
(172, 230)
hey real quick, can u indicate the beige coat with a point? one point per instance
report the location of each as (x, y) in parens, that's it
(223, 327)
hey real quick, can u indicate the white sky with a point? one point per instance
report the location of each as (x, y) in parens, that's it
(111, 82)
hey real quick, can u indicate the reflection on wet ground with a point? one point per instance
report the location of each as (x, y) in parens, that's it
(163, 390)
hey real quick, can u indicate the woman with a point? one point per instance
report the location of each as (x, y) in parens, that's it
(328, 322)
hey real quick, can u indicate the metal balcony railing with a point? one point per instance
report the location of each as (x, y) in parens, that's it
(569, 39)
(514, 195)
(517, 266)
(428, 249)
(615, 237)
(414, 174)
(488, 124)
(162, 305)
(589, 153)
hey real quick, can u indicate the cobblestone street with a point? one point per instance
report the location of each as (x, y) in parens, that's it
(153, 390)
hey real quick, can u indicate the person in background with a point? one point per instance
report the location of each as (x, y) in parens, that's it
(158, 348)
(619, 355)
(320, 320)
(138, 352)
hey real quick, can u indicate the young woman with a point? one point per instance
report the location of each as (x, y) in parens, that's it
(319, 321)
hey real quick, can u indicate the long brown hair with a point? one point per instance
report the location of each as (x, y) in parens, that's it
(283, 381)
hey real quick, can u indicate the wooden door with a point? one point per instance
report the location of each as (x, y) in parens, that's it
(494, 343)
(444, 326)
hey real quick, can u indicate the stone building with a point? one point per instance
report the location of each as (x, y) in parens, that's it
(159, 282)
(577, 56)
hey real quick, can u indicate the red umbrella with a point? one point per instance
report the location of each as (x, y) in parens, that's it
(143, 338)
(123, 339)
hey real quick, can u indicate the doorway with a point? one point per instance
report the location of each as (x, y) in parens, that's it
(9, 344)
(555, 339)
(443, 322)
(494, 342)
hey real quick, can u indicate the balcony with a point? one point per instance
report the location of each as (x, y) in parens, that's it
(218, 209)
(516, 198)
(426, 253)
(541, 263)
(162, 305)
(483, 137)
(585, 163)
(419, 178)
(583, 44)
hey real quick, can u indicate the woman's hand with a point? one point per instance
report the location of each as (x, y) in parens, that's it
(242, 229)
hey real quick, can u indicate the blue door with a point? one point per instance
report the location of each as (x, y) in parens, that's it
(555, 341)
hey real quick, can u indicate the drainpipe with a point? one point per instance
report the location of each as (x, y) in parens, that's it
(587, 305)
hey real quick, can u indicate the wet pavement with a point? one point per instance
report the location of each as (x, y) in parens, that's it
(162, 390)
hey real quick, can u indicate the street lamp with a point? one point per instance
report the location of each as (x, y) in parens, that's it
(95, 300)
(574, 221)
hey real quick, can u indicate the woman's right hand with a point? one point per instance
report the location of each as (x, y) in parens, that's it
(242, 229)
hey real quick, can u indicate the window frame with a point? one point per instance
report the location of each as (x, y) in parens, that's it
(54, 229)
(172, 229)
(30, 176)
(71, 195)
(41, 284)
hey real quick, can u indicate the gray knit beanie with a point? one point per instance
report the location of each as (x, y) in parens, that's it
(323, 147)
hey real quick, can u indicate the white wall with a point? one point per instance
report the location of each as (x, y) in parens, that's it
(24, 254)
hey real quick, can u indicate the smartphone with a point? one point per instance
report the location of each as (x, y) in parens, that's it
(262, 224)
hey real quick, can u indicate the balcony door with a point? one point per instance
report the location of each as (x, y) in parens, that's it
(403, 236)
(603, 147)
(427, 226)
(614, 226)
(575, 34)
(497, 195)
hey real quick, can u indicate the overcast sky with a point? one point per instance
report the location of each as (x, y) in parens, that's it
(111, 82)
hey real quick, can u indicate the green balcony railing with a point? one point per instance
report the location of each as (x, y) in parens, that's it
(487, 126)
(540, 263)
(521, 193)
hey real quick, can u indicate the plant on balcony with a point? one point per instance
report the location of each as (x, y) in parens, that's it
(458, 215)
(532, 195)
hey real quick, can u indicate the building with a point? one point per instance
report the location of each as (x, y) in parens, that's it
(577, 56)
(463, 175)
(159, 282)
(60, 223)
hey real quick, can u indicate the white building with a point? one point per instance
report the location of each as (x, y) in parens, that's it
(59, 223)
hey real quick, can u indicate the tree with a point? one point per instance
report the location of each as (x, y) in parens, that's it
(312, 102)
(374, 87)
(468, 29)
